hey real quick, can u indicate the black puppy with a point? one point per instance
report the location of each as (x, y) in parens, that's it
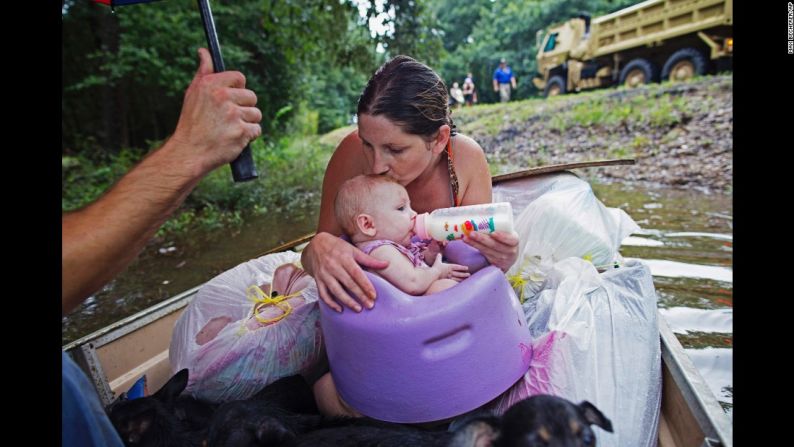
(273, 416)
(540, 420)
(364, 432)
(284, 414)
(164, 418)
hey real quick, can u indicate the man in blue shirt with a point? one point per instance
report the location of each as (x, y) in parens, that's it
(218, 119)
(503, 80)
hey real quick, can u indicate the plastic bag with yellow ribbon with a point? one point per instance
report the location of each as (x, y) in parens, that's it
(248, 327)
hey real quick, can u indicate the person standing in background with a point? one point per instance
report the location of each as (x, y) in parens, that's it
(469, 91)
(456, 95)
(503, 81)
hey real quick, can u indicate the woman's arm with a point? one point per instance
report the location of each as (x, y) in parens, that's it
(500, 248)
(333, 262)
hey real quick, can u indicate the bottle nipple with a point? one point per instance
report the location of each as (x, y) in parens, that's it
(419, 226)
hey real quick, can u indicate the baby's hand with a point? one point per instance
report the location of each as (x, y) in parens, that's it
(431, 250)
(454, 272)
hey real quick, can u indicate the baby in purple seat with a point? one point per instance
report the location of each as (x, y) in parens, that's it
(375, 212)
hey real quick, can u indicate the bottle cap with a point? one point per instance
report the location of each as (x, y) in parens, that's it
(419, 226)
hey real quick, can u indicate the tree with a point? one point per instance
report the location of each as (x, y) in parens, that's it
(125, 73)
(410, 29)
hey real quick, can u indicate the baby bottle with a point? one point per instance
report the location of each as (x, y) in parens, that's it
(448, 224)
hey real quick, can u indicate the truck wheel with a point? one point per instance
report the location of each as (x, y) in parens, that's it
(638, 72)
(684, 64)
(555, 86)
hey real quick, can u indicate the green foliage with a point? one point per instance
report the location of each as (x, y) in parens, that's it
(336, 95)
(413, 31)
(645, 107)
(640, 141)
(290, 172)
(620, 152)
(124, 73)
(83, 180)
(207, 219)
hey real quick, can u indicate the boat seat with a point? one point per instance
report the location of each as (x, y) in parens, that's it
(413, 359)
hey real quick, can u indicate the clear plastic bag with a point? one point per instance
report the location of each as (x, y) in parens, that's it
(595, 338)
(522, 192)
(232, 346)
(558, 216)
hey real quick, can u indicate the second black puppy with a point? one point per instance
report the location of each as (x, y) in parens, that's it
(164, 418)
(284, 414)
(273, 416)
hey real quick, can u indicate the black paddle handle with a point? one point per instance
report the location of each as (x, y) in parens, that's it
(243, 168)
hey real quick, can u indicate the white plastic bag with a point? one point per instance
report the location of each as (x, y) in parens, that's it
(558, 216)
(595, 338)
(230, 354)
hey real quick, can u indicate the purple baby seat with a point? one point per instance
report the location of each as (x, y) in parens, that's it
(419, 359)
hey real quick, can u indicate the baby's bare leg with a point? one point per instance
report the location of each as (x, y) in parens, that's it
(328, 401)
(439, 285)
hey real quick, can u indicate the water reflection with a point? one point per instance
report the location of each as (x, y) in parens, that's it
(641, 242)
(687, 241)
(674, 269)
(683, 320)
(716, 367)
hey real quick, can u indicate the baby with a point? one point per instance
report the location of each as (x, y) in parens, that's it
(375, 212)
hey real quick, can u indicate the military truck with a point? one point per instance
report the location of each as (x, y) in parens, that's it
(647, 42)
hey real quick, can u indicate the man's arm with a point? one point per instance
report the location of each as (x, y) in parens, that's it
(99, 241)
(218, 118)
(513, 81)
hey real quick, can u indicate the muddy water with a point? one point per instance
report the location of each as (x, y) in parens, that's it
(686, 240)
(168, 267)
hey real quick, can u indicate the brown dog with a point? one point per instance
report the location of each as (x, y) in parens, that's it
(540, 420)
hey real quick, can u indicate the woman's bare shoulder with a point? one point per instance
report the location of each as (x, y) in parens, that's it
(350, 139)
(468, 156)
(471, 167)
(349, 144)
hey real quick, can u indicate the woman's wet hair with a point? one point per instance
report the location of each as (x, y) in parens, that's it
(408, 93)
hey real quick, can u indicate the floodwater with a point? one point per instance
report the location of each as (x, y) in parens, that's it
(686, 240)
(169, 267)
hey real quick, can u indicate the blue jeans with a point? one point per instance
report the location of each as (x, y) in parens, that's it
(84, 421)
